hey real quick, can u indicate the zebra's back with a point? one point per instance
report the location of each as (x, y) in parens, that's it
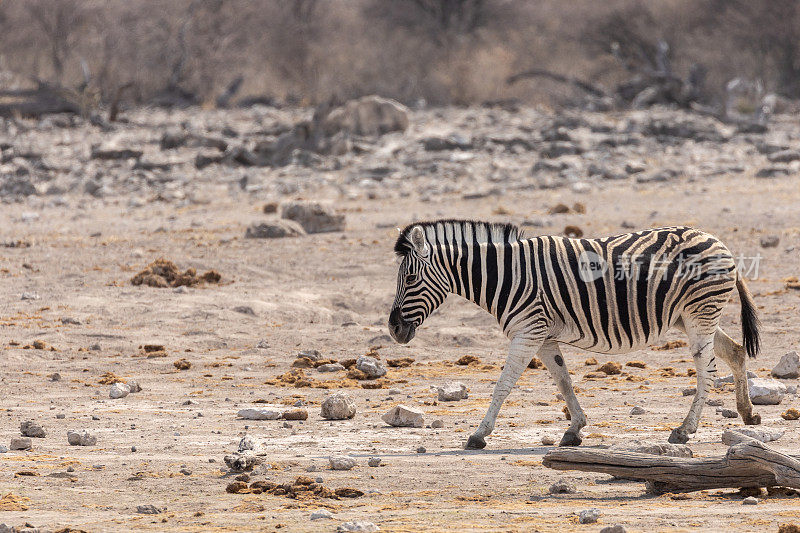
(621, 293)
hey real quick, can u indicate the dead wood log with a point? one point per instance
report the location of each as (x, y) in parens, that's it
(749, 464)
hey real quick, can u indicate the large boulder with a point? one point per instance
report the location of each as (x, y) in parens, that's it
(370, 115)
(314, 217)
(788, 367)
(765, 391)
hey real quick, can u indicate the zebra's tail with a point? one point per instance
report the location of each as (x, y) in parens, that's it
(750, 322)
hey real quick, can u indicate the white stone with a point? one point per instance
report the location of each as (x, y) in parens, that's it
(589, 516)
(735, 436)
(119, 390)
(134, 386)
(81, 438)
(360, 527)
(248, 443)
(788, 367)
(404, 416)
(338, 406)
(453, 392)
(341, 462)
(720, 382)
(370, 366)
(259, 413)
(321, 513)
(765, 391)
(750, 500)
(330, 367)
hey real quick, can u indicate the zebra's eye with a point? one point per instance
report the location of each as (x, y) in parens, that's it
(411, 278)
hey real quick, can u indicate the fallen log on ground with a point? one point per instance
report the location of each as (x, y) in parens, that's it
(748, 464)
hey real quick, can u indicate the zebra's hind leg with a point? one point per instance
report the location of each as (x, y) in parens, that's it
(702, 347)
(734, 355)
(553, 360)
(520, 354)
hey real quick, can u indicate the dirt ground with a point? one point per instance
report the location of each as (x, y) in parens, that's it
(331, 292)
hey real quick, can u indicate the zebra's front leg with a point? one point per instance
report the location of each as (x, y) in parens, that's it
(553, 360)
(703, 353)
(520, 354)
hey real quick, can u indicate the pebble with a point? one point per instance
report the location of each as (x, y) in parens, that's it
(147, 509)
(119, 390)
(338, 406)
(689, 391)
(636, 410)
(55, 376)
(548, 440)
(360, 527)
(374, 461)
(134, 386)
(714, 403)
(330, 367)
(3, 448)
(438, 423)
(616, 528)
(421, 449)
(404, 416)
(728, 413)
(750, 500)
(588, 516)
(29, 296)
(341, 462)
(61, 416)
(562, 486)
(21, 443)
(133, 449)
(452, 392)
(81, 438)
(29, 428)
(321, 513)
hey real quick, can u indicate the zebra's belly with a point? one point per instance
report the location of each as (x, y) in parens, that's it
(616, 345)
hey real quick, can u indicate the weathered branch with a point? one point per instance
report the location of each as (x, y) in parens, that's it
(540, 73)
(749, 464)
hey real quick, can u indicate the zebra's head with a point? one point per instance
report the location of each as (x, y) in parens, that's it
(421, 288)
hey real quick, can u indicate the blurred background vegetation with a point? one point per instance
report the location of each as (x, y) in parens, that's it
(462, 52)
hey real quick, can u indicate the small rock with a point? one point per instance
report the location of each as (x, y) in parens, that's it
(341, 462)
(259, 413)
(119, 390)
(728, 413)
(750, 500)
(453, 392)
(770, 241)
(735, 436)
(29, 428)
(295, 414)
(81, 438)
(274, 229)
(438, 423)
(3, 448)
(714, 403)
(360, 527)
(321, 513)
(29, 296)
(134, 386)
(720, 382)
(242, 462)
(55, 376)
(588, 516)
(314, 217)
(245, 310)
(370, 366)
(636, 410)
(610, 368)
(562, 486)
(374, 461)
(182, 364)
(421, 449)
(791, 414)
(338, 406)
(616, 528)
(788, 367)
(147, 509)
(404, 416)
(765, 391)
(548, 440)
(691, 391)
(20, 443)
(330, 367)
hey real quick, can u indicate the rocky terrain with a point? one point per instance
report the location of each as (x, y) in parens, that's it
(184, 290)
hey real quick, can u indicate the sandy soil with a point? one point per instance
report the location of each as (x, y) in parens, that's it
(331, 292)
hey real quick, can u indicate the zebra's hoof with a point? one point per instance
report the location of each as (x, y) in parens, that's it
(475, 443)
(678, 437)
(752, 420)
(570, 439)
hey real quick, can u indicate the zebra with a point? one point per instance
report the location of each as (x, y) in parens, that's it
(550, 290)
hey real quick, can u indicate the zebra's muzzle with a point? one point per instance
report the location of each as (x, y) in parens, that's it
(400, 330)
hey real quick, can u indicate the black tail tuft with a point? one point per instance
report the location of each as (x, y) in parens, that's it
(750, 322)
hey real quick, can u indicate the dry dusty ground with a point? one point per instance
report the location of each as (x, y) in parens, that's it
(331, 292)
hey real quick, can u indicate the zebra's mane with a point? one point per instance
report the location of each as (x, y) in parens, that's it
(482, 232)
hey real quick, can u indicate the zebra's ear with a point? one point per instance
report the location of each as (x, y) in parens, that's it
(417, 237)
